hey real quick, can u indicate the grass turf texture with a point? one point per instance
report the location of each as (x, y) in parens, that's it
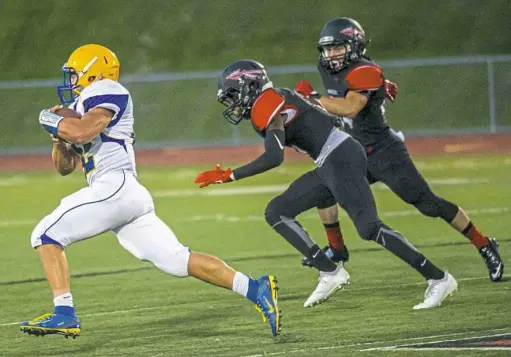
(129, 308)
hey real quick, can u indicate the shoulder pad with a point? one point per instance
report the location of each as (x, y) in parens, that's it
(365, 77)
(105, 94)
(103, 87)
(266, 106)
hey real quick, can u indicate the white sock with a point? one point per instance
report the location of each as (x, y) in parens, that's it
(240, 284)
(63, 300)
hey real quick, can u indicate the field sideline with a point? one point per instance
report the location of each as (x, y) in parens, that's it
(129, 308)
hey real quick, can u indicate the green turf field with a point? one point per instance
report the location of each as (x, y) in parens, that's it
(128, 308)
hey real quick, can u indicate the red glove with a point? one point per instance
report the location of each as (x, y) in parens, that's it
(391, 90)
(218, 175)
(304, 88)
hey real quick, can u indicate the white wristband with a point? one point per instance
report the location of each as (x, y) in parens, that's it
(50, 121)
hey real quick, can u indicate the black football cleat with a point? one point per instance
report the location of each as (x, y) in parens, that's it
(490, 254)
(334, 255)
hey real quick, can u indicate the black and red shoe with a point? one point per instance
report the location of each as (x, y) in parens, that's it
(490, 254)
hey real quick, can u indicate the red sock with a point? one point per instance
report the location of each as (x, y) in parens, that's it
(334, 235)
(475, 236)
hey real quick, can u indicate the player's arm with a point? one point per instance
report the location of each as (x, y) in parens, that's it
(64, 157)
(362, 81)
(273, 155)
(73, 130)
(82, 131)
(266, 117)
(345, 107)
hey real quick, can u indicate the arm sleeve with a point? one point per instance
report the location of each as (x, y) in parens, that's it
(272, 157)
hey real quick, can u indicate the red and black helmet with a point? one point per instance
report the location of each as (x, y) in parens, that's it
(341, 31)
(239, 85)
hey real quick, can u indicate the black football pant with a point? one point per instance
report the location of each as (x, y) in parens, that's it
(343, 175)
(389, 162)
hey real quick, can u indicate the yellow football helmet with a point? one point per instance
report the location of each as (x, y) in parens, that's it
(86, 65)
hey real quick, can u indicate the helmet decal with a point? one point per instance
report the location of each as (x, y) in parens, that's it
(349, 31)
(239, 86)
(249, 73)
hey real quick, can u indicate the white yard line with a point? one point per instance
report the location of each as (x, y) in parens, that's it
(400, 347)
(17, 180)
(16, 222)
(433, 349)
(418, 338)
(264, 189)
(463, 164)
(220, 191)
(219, 217)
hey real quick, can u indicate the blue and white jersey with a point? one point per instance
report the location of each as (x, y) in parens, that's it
(113, 148)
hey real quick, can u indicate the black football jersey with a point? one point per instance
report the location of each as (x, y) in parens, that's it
(369, 126)
(307, 124)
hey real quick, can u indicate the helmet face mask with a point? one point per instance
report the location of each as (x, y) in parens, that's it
(238, 108)
(71, 84)
(68, 91)
(239, 86)
(335, 56)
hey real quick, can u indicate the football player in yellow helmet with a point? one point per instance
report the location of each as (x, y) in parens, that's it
(101, 131)
(86, 65)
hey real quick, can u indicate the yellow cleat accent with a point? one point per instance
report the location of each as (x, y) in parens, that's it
(51, 324)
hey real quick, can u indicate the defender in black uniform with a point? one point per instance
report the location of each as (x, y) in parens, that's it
(356, 92)
(285, 118)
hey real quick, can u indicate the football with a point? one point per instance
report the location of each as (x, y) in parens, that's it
(68, 113)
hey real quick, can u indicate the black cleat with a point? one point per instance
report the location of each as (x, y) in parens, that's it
(334, 255)
(490, 254)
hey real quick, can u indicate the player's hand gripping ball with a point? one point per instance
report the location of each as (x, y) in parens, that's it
(66, 113)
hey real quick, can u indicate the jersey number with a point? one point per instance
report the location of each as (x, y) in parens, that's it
(87, 159)
(88, 163)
